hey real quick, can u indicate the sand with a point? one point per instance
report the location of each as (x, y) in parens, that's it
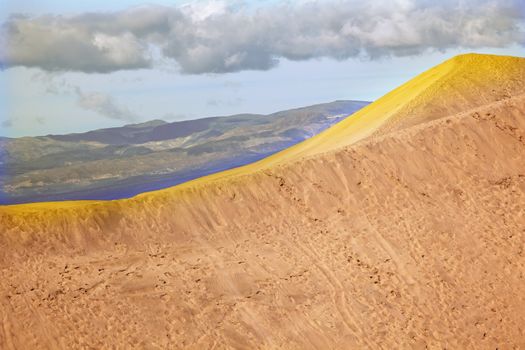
(412, 237)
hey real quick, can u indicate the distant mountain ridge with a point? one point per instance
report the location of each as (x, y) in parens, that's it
(139, 133)
(123, 161)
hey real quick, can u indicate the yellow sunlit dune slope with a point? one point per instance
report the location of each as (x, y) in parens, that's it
(457, 85)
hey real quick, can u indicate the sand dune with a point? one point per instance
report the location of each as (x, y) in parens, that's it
(410, 234)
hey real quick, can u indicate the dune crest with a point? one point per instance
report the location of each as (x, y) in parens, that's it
(410, 238)
(457, 85)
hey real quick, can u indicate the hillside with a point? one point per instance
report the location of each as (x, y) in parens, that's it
(410, 238)
(124, 161)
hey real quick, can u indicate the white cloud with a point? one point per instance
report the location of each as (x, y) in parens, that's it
(104, 105)
(200, 11)
(219, 37)
(119, 48)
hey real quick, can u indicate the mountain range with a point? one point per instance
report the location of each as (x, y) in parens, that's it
(124, 161)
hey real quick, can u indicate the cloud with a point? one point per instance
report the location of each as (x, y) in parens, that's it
(221, 37)
(101, 103)
(232, 102)
(233, 85)
(104, 105)
(55, 83)
(7, 123)
(40, 120)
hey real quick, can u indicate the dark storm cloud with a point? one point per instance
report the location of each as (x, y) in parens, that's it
(217, 38)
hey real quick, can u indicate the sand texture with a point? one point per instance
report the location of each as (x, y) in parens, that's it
(410, 237)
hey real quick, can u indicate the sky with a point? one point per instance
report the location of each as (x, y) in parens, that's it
(73, 66)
